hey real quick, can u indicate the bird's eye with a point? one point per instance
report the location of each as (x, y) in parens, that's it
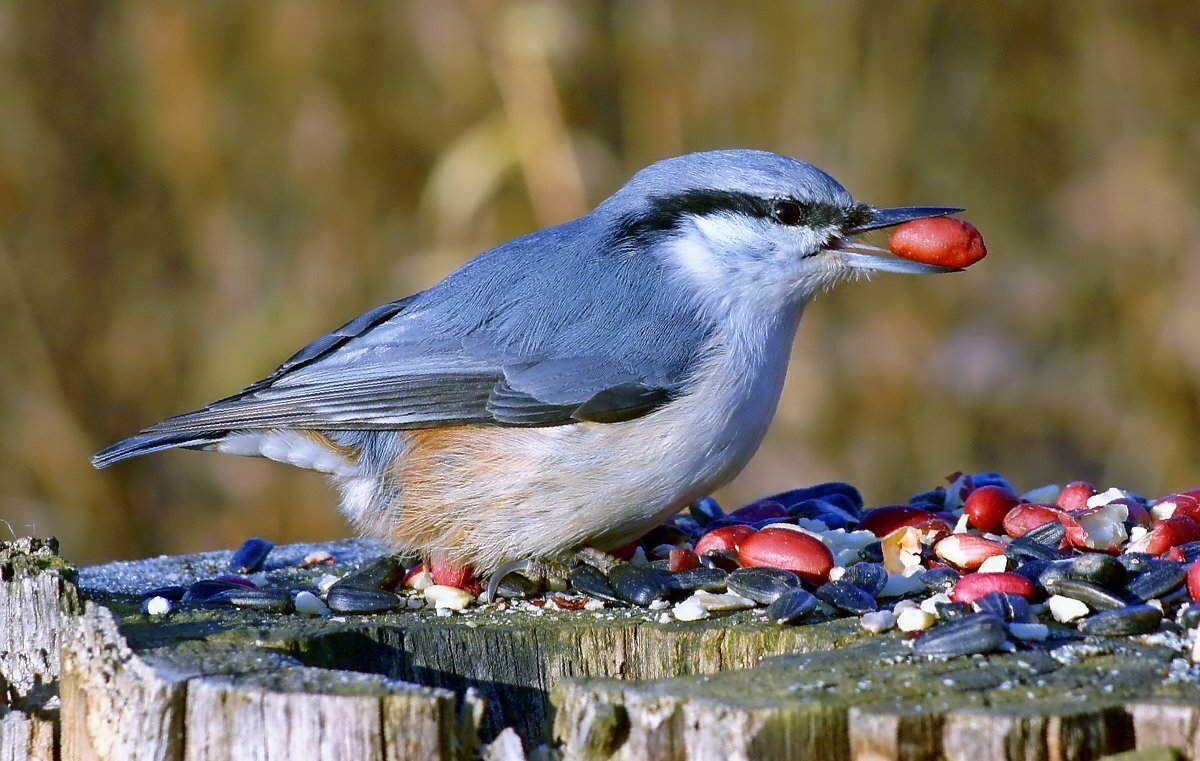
(787, 213)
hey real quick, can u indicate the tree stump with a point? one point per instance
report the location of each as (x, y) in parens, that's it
(609, 684)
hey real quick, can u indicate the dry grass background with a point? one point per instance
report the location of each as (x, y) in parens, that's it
(190, 191)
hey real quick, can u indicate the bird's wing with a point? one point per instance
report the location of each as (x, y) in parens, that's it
(387, 370)
(554, 328)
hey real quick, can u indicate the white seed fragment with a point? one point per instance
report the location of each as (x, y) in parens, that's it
(318, 557)
(845, 556)
(308, 604)
(1065, 609)
(414, 603)
(929, 604)
(444, 612)
(690, 609)
(157, 606)
(639, 557)
(659, 605)
(1105, 528)
(1106, 496)
(878, 621)
(442, 596)
(327, 581)
(728, 601)
(994, 564)
(900, 584)
(1137, 533)
(593, 604)
(837, 572)
(420, 580)
(1029, 632)
(812, 524)
(914, 620)
(259, 579)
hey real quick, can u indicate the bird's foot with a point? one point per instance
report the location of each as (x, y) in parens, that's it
(553, 572)
(540, 570)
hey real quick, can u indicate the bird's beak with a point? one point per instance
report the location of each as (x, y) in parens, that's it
(888, 218)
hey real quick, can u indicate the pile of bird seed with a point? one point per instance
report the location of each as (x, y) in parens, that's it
(970, 567)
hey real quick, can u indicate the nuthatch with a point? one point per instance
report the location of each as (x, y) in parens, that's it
(571, 388)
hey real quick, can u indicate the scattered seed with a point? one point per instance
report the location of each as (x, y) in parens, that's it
(716, 602)
(878, 621)
(250, 556)
(1134, 619)
(690, 609)
(308, 604)
(845, 596)
(453, 598)
(791, 607)
(639, 585)
(763, 585)
(156, 606)
(980, 633)
(346, 598)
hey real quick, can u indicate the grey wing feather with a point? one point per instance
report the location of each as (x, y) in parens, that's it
(511, 338)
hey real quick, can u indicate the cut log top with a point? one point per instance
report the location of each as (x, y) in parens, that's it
(209, 682)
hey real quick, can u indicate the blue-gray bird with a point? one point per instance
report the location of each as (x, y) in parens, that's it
(571, 388)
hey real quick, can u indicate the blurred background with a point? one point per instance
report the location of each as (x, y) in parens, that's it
(191, 191)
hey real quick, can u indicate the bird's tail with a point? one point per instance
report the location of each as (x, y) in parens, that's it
(145, 443)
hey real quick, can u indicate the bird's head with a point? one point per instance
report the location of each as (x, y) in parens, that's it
(745, 224)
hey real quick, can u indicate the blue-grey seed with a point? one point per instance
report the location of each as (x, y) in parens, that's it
(694, 579)
(1032, 569)
(1098, 568)
(592, 582)
(1050, 534)
(250, 557)
(1133, 619)
(1163, 577)
(1135, 562)
(792, 606)
(202, 590)
(932, 500)
(940, 579)
(980, 633)
(872, 553)
(174, 592)
(705, 511)
(844, 495)
(1006, 606)
(763, 585)
(516, 586)
(1094, 596)
(847, 597)
(265, 600)
(869, 577)
(343, 598)
(640, 586)
(1026, 548)
(950, 611)
(384, 572)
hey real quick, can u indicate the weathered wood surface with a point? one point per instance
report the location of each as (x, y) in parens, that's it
(620, 684)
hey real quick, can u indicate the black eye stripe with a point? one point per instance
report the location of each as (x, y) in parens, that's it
(664, 213)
